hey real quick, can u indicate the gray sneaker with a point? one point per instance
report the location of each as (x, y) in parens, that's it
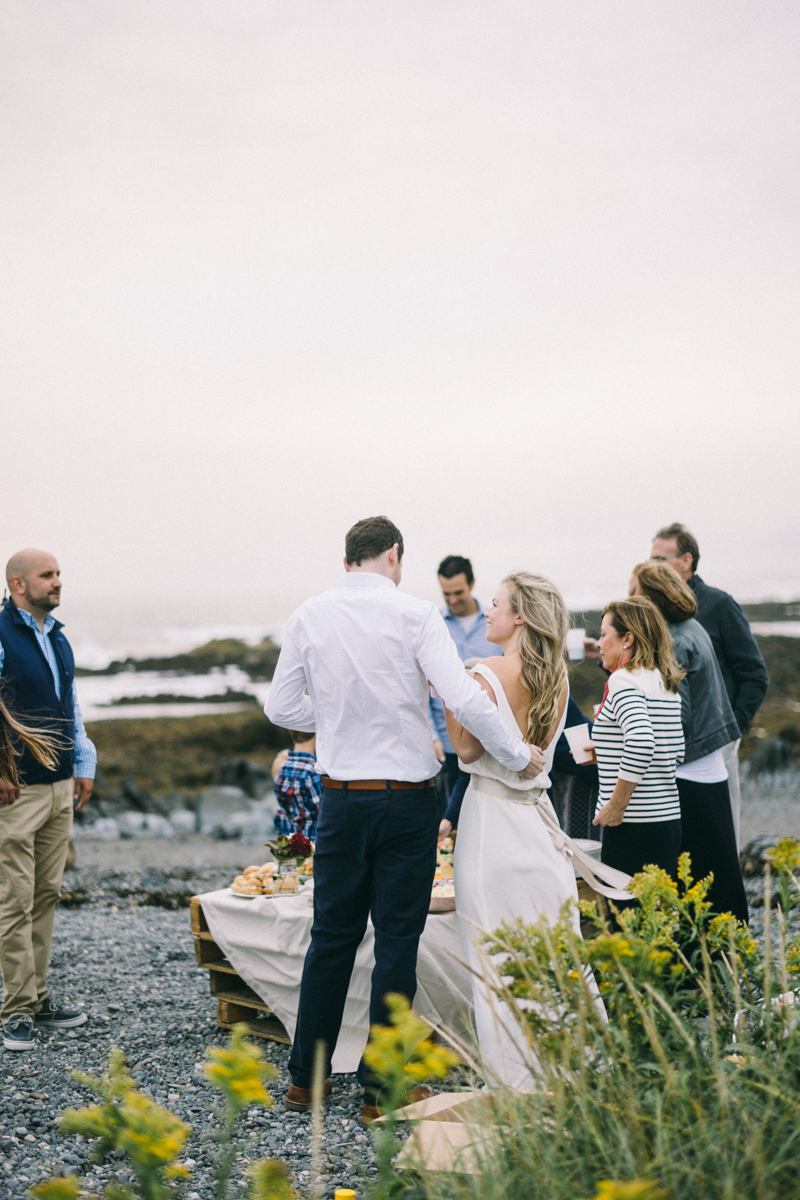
(18, 1033)
(50, 1016)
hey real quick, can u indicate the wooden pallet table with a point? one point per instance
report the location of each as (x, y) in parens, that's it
(236, 1001)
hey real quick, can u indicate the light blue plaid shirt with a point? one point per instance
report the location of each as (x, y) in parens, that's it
(85, 753)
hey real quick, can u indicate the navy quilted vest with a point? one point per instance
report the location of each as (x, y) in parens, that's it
(30, 694)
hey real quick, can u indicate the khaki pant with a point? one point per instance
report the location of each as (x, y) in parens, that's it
(34, 833)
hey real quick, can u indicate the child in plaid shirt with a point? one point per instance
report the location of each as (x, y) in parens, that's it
(298, 788)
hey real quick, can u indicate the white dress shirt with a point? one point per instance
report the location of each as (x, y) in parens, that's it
(364, 653)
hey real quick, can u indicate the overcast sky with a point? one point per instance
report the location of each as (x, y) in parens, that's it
(523, 276)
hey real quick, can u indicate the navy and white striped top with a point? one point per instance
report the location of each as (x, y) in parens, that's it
(638, 736)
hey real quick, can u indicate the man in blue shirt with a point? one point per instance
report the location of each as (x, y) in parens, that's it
(466, 624)
(38, 681)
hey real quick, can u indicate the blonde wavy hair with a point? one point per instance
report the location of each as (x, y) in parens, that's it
(652, 642)
(543, 637)
(42, 745)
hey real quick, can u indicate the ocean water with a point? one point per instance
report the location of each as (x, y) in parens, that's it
(102, 630)
(105, 629)
(99, 695)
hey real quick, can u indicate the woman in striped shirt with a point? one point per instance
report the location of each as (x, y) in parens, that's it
(638, 739)
(707, 831)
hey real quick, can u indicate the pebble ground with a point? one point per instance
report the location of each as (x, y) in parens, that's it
(123, 953)
(132, 969)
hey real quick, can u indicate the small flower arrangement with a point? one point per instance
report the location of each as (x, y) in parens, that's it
(296, 846)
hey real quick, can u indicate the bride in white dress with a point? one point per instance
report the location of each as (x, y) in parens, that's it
(511, 859)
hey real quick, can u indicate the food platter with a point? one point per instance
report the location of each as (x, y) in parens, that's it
(443, 893)
(272, 879)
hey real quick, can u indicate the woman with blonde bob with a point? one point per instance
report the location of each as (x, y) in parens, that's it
(509, 859)
(638, 739)
(707, 831)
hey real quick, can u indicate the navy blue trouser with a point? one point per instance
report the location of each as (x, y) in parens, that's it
(375, 855)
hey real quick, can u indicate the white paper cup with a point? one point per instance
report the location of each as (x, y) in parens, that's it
(575, 644)
(578, 737)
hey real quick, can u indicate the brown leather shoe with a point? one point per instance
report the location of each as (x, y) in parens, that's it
(371, 1112)
(299, 1099)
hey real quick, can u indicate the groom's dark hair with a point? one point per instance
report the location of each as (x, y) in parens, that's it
(371, 538)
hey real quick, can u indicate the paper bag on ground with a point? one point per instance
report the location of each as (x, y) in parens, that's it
(453, 1132)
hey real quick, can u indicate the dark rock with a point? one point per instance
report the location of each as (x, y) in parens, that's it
(772, 754)
(251, 777)
(112, 806)
(135, 795)
(753, 856)
(165, 805)
(217, 804)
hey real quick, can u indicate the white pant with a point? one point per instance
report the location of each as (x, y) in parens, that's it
(731, 755)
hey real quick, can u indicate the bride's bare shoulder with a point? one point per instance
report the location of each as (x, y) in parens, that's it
(480, 679)
(503, 667)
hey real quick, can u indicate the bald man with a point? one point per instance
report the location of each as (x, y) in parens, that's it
(38, 681)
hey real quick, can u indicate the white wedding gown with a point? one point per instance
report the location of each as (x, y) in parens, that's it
(507, 866)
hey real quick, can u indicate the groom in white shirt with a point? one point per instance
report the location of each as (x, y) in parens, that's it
(354, 668)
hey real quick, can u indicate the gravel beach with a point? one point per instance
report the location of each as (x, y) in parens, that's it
(123, 952)
(132, 969)
(770, 805)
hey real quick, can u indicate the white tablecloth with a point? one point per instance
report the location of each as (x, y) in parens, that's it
(266, 939)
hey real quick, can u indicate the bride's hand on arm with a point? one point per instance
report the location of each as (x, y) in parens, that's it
(535, 766)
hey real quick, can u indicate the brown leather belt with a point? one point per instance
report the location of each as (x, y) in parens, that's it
(373, 785)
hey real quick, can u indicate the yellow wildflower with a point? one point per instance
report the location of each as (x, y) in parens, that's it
(270, 1181)
(402, 1054)
(785, 855)
(152, 1136)
(239, 1070)
(793, 956)
(636, 1189)
(62, 1187)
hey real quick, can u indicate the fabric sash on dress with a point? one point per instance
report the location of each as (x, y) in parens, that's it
(590, 869)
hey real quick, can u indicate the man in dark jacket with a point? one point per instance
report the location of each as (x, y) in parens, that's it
(38, 681)
(742, 666)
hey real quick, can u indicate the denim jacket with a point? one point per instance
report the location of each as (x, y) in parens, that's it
(743, 670)
(706, 713)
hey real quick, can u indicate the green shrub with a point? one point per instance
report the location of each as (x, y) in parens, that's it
(685, 1084)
